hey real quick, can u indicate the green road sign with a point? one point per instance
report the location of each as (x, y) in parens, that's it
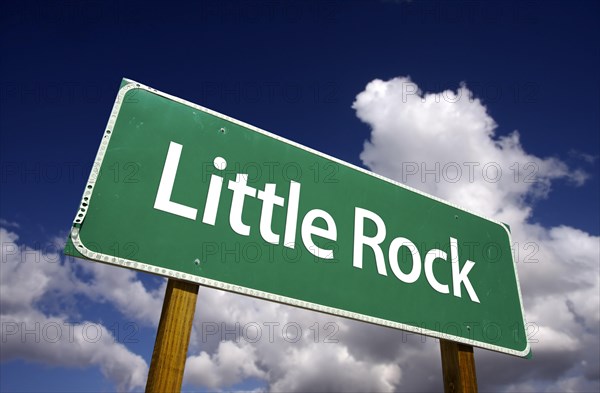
(184, 192)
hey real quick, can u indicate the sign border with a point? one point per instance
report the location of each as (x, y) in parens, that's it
(122, 262)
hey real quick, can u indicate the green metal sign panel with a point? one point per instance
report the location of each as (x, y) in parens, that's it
(181, 191)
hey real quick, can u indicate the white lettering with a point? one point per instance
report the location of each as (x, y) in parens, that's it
(416, 260)
(291, 220)
(461, 276)
(360, 240)
(431, 256)
(214, 193)
(308, 230)
(165, 188)
(240, 191)
(266, 215)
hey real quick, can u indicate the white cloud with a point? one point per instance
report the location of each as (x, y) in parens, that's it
(290, 349)
(30, 282)
(27, 274)
(445, 144)
(231, 363)
(33, 336)
(420, 139)
(124, 286)
(317, 368)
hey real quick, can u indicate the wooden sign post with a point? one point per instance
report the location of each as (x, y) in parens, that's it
(458, 367)
(172, 337)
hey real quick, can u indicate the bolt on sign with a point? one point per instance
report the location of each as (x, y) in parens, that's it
(184, 192)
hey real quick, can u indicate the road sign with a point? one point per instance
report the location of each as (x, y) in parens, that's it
(184, 192)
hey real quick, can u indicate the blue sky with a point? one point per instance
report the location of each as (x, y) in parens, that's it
(295, 69)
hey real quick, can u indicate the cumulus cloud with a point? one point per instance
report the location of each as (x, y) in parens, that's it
(36, 326)
(446, 144)
(125, 285)
(231, 363)
(317, 368)
(289, 349)
(33, 336)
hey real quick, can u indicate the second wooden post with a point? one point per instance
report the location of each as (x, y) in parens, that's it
(458, 367)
